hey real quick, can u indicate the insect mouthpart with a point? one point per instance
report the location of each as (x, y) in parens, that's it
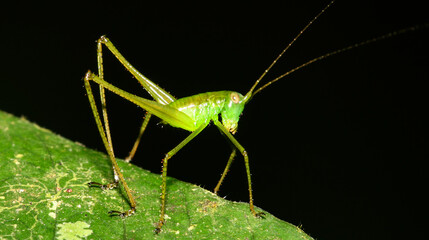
(231, 126)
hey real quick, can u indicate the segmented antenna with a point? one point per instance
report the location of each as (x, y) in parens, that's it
(375, 39)
(249, 94)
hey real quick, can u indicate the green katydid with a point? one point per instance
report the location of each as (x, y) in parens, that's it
(191, 113)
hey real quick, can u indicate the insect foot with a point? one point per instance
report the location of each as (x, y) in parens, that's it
(103, 186)
(256, 214)
(260, 215)
(123, 214)
(159, 226)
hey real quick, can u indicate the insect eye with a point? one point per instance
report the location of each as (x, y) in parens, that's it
(235, 98)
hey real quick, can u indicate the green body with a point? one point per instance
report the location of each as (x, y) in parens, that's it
(191, 113)
(204, 107)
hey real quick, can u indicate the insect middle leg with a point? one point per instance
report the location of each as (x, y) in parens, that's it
(164, 174)
(137, 142)
(225, 171)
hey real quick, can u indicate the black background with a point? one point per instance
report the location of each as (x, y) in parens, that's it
(338, 147)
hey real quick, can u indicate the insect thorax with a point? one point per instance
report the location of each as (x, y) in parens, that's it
(204, 107)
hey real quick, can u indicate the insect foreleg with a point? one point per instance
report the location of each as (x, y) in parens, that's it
(246, 163)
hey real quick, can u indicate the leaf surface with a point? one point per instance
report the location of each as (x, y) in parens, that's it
(44, 195)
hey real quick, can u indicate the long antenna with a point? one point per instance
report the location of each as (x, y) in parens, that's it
(249, 94)
(388, 35)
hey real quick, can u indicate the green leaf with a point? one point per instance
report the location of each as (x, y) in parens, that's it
(44, 195)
